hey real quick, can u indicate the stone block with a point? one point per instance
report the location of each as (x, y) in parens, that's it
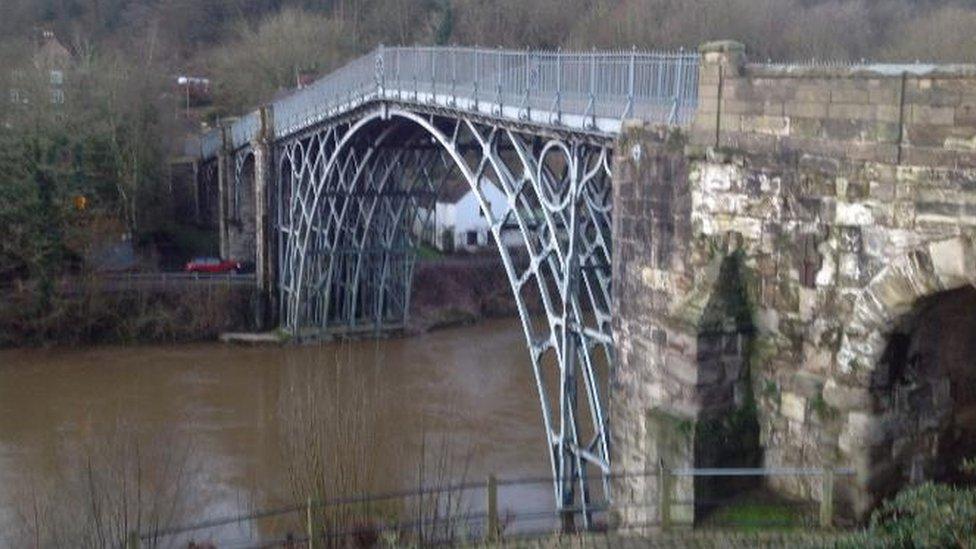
(862, 430)
(930, 135)
(808, 128)
(793, 407)
(733, 106)
(882, 190)
(847, 111)
(935, 95)
(953, 261)
(857, 213)
(767, 125)
(851, 93)
(966, 113)
(806, 109)
(886, 93)
(846, 398)
(925, 114)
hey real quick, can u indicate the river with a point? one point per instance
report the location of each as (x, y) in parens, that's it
(229, 413)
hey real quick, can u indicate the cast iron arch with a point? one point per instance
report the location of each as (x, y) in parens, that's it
(360, 184)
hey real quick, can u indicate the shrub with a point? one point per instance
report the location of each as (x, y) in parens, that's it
(929, 515)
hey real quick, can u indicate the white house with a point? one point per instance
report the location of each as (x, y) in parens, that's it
(459, 224)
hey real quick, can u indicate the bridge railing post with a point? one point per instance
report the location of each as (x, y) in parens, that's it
(678, 91)
(632, 74)
(453, 75)
(559, 85)
(591, 108)
(526, 75)
(433, 75)
(380, 72)
(498, 70)
(477, 75)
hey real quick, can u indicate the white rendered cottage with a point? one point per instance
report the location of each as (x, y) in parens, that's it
(458, 224)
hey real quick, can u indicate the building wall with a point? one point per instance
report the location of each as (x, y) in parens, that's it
(465, 215)
(767, 263)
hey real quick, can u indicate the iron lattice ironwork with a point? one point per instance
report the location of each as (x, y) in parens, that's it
(353, 196)
(359, 157)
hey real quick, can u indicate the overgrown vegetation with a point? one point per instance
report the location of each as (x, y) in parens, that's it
(928, 515)
(88, 315)
(119, 481)
(333, 453)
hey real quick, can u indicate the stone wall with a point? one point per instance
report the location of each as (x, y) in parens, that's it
(835, 202)
(911, 114)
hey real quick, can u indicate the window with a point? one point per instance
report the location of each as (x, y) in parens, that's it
(14, 95)
(57, 78)
(472, 238)
(57, 96)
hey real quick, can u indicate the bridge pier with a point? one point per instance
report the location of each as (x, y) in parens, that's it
(265, 265)
(225, 183)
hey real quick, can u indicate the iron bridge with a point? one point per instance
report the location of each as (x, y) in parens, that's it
(355, 165)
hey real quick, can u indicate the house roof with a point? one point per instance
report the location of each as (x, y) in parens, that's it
(52, 54)
(453, 191)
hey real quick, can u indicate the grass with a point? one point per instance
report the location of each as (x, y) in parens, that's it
(427, 252)
(754, 517)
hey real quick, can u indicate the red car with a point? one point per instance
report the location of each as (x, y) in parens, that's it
(212, 265)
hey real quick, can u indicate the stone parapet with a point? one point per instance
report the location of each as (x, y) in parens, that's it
(900, 114)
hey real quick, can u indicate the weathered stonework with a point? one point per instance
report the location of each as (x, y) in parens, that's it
(844, 206)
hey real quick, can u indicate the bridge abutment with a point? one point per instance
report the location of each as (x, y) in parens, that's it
(765, 273)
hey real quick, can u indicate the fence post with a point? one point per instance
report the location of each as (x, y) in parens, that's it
(309, 525)
(492, 528)
(132, 541)
(665, 497)
(827, 498)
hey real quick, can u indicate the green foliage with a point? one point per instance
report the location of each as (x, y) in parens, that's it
(968, 466)
(929, 515)
(823, 410)
(770, 390)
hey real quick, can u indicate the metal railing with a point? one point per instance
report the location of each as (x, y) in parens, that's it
(479, 514)
(586, 91)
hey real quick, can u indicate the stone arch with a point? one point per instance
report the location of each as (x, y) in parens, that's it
(868, 382)
(709, 416)
(939, 266)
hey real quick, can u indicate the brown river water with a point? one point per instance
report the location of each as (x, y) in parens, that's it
(469, 392)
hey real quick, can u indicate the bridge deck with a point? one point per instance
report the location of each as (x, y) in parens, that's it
(579, 92)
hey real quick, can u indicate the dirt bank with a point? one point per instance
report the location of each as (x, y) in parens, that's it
(456, 291)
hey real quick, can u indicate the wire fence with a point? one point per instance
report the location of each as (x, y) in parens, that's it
(471, 512)
(587, 91)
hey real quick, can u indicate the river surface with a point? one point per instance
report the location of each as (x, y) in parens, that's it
(232, 417)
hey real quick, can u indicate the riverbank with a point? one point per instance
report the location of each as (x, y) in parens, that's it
(446, 292)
